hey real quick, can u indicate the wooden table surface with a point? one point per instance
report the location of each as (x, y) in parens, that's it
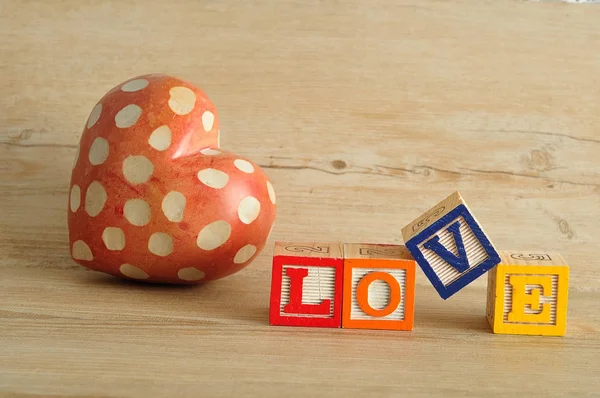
(364, 113)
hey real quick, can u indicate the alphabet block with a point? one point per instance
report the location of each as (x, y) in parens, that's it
(450, 245)
(306, 284)
(379, 287)
(528, 294)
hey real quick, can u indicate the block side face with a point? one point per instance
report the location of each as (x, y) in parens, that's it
(491, 296)
(309, 249)
(376, 251)
(275, 297)
(322, 281)
(339, 285)
(347, 293)
(409, 304)
(542, 258)
(458, 238)
(563, 301)
(498, 289)
(431, 216)
(379, 294)
(532, 300)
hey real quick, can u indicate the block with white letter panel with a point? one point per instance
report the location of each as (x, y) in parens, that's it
(528, 294)
(306, 284)
(450, 245)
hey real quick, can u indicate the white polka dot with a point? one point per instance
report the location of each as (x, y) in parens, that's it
(137, 212)
(248, 209)
(95, 198)
(133, 272)
(94, 115)
(210, 152)
(81, 251)
(213, 178)
(244, 165)
(137, 169)
(134, 85)
(271, 192)
(98, 151)
(160, 139)
(75, 199)
(244, 254)
(214, 235)
(160, 244)
(113, 238)
(128, 116)
(173, 206)
(190, 274)
(76, 157)
(208, 119)
(182, 100)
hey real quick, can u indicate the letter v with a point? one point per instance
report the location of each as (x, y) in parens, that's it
(460, 262)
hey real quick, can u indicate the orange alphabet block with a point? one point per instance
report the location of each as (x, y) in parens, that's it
(379, 287)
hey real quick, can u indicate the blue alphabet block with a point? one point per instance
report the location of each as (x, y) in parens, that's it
(450, 246)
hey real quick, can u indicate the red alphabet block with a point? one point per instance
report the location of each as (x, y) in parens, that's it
(306, 284)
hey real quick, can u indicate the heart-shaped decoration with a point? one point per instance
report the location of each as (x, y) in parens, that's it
(153, 198)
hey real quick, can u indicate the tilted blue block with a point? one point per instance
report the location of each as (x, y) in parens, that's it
(450, 246)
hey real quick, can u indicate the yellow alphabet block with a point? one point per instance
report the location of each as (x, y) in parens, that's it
(528, 294)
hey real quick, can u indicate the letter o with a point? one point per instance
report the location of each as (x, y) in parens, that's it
(362, 294)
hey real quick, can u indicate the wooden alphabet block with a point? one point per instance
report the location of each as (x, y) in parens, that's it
(379, 287)
(528, 294)
(306, 284)
(450, 245)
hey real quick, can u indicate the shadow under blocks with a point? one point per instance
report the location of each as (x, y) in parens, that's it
(372, 286)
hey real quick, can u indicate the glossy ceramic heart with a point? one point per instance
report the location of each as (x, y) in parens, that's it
(153, 198)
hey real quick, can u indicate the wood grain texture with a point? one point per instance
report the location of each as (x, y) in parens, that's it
(432, 215)
(515, 257)
(308, 249)
(364, 114)
(376, 251)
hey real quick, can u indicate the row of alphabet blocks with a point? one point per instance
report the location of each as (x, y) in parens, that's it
(373, 286)
(350, 285)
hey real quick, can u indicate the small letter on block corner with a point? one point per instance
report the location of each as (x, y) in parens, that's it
(450, 246)
(306, 284)
(379, 287)
(528, 294)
